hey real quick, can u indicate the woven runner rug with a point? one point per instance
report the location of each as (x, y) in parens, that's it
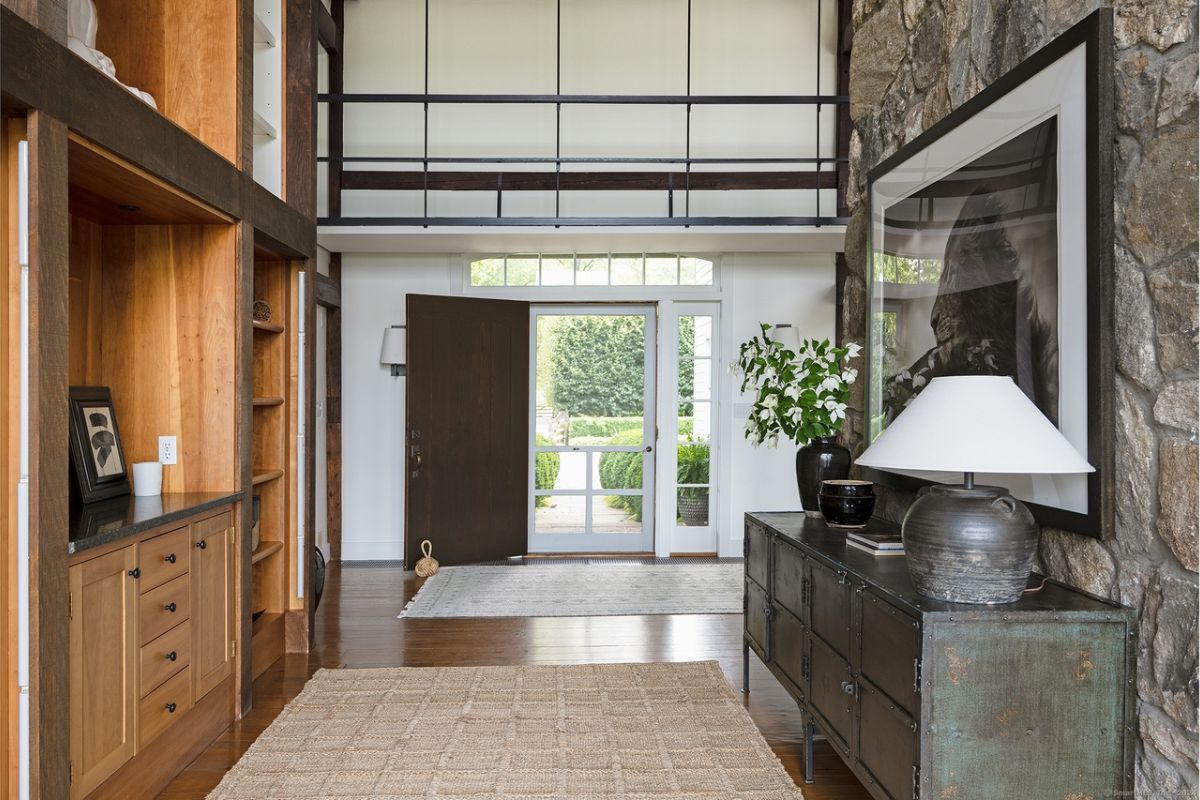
(582, 732)
(580, 590)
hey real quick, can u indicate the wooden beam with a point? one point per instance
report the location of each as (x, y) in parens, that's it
(336, 116)
(329, 292)
(300, 105)
(328, 31)
(49, 478)
(333, 417)
(586, 181)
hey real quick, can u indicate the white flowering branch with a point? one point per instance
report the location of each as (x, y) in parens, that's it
(798, 396)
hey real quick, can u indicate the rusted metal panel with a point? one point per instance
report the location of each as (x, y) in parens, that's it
(757, 614)
(829, 607)
(788, 650)
(1022, 706)
(758, 564)
(890, 652)
(788, 581)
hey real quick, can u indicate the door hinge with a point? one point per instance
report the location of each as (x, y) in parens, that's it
(804, 667)
(917, 675)
(233, 647)
(804, 590)
(916, 786)
(70, 605)
(232, 535)
(70, 772)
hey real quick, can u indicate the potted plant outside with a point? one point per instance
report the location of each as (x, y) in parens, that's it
(692, 468)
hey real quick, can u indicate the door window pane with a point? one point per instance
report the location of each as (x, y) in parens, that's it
(560, 513)
(559, 470)
(701, 421)
(617, 513)
(692, 507)
(591, 271)
(618, 470)
(702, 336)
(662, 270)
(522, 270)
(627, 270)
(695, 271)
(487, 272)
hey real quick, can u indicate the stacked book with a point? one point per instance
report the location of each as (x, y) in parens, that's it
(877, 544)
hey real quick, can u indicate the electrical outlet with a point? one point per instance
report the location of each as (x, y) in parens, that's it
(166, 449)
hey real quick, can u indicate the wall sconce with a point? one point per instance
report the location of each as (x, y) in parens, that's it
(394, 350)
(786, 334)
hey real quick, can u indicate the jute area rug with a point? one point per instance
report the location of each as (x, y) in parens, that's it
(582, 732)
(580, 590)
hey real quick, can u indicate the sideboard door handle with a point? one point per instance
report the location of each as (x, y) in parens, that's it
(170, 559)
(136, 572)
(202, 544)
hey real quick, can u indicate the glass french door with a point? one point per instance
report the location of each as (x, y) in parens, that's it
(591, 456)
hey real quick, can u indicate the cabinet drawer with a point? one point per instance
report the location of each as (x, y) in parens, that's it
(891, 648)
(164, 705)
(164, 558)
(163, 608)
(165, 656)
(787, 578)
(757, 555)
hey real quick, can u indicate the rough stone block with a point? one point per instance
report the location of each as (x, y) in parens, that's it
(1174, 289)
(1178, 463)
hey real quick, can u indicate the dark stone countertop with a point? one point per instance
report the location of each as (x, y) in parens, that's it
(890, 573)
(107, 521)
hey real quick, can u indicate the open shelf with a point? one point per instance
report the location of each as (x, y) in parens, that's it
(266, 477)
(265, 549)
(266, 327)
(266, 402)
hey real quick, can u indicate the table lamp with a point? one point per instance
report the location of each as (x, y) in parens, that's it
(968, 543)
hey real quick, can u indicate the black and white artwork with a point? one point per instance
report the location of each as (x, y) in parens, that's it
(989, 236)
(970, 275)
(96, 449)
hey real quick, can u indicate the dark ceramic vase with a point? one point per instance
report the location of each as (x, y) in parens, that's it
(846, 503)
(969, 545)
(820, 460)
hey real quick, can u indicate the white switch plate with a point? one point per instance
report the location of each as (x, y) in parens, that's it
(166, 449)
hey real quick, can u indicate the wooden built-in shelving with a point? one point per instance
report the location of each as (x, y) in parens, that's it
(267, 327)
(264, 550)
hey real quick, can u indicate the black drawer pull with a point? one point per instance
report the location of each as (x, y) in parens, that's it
(170, 607)
(170, 559)
(171, 708)
(202, 544)
(136, 572)
(171, 656)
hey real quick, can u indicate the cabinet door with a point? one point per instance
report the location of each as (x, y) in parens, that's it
(831, 693)
(212, 602)
(829, 607)
(788, 641)
(103, 667)
(758, 554)
(758, 617)
(788, 581)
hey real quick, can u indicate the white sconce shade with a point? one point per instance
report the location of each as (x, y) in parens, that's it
(786, 334)
(973, 423)
(394, 349)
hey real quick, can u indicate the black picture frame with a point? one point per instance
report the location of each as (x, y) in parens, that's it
(101, 470)
(1095, 34)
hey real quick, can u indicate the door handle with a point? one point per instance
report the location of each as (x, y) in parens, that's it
(202, 544)
(170, 559)
(649, 449)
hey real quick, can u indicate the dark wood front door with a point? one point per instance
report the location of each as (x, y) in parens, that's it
(467, 444)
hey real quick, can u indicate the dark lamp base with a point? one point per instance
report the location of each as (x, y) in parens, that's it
(970, 544)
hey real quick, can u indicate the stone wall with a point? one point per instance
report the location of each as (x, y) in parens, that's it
(913, 61)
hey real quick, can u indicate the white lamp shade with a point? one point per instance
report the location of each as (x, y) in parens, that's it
(973, 423)
(393, 351)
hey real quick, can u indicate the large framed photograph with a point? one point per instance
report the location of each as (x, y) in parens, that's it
(96, 451)
(990, 254)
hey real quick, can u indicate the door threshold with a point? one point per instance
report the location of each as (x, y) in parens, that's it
(589, 555)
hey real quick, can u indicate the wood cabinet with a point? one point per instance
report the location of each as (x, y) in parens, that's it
(152, 632)
(212, 606)
(103, 609)
(925, 699)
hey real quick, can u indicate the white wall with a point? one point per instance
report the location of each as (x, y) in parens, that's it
(607, 47)
(320, 435)
(796, 288)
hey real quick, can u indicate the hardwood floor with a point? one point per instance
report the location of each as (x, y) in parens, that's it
(357, 627)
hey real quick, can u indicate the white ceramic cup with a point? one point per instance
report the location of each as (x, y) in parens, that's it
(147, 478)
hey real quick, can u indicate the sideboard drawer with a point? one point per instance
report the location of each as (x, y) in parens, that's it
(164, 558)
(787, 578)
(891, 650)
(757, 555)
(164, 705)
(163, 608)
(165, 656)
(757, 620)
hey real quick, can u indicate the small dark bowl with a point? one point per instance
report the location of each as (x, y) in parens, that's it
(848, 488)
(846, 512)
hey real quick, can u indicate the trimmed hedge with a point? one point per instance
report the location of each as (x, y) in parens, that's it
(623, 471)
(545, 471)
(611, 426)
